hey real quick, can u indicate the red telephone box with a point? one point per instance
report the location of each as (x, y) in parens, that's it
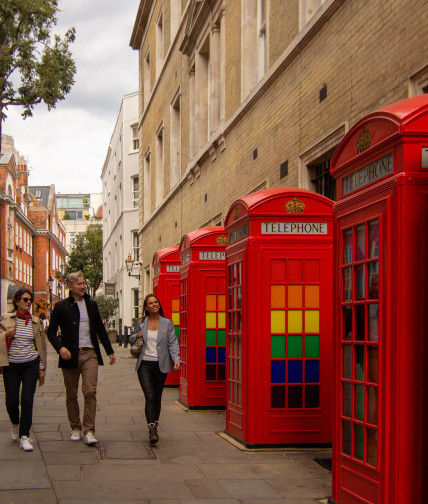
(203, 318)
(280, 317)
(166, 286)
(381, 170)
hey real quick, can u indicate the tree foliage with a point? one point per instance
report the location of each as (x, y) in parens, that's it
(33, 69)
(87, 256)
(106, 306)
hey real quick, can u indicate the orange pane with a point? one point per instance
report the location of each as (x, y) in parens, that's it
(277, 299)
(312, 296)
(221, 300)
(295, 296)
(211, 302)
(175, 305)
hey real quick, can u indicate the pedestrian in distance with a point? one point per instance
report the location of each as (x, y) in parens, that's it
(160, 354)
(23, 358)
(78, 347)
(44, 320)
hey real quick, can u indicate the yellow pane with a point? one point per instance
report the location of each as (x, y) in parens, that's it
(221, 300)
(221, 317)
(211, 302)
(277, 321)
(295, 296)
(175, 305)
(277, 296)
(312, 296)
(312, 321)
(294, 321)
(175, 317)
(211, 320)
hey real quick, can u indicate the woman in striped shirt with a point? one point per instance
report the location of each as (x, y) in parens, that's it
(23, 357)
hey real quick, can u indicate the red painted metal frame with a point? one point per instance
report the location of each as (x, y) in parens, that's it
(400, 200)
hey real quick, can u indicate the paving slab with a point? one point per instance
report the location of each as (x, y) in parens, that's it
(23, 475)
(32, 496)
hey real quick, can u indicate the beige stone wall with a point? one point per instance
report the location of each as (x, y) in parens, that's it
(363, 51)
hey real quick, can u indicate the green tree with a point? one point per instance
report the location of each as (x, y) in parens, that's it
(33, 69)
(106, 306)
(87, 256)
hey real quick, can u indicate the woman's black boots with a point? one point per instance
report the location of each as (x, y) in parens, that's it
(153, 433)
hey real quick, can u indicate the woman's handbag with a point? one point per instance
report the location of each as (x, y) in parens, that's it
(136, 348)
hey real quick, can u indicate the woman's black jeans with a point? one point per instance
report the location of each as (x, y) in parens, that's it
(24, 376)
(152, 381)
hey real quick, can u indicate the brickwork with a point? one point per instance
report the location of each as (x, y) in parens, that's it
(363, 52)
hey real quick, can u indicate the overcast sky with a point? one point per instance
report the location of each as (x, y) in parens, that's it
(68, 145)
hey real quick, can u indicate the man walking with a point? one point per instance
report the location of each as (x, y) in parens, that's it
(81, 326)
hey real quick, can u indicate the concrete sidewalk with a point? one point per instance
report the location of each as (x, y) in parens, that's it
(192, 463)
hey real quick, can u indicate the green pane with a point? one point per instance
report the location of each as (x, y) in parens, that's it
(277, 346)
(359, 441)
(211, 337)
(312, 346)
(359, 402)
(177, 331)
(294, 347)
(222, 337)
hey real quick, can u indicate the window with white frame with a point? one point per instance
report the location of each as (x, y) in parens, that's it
(418, 82)
(159, 44)
(135, 245)
(202, 66)
(135, 192)
(175, 141)
(160, 179)
(262, 37)
(147, 186)
(135, 140)
(72, 237)
(147, 77)
(175, 16)
(307, 9)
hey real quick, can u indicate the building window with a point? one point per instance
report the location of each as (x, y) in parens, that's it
(135, 303)
(159, 166)
(323, 182)
(159, 44)
(147, 78)
(175, 9)
(136, 245)
(175, 143)
(72, 238)
(418, 82)
(307, 9)
(135, 192)
(202, 93)
(147, 185)
(262, 42)
(135, 140)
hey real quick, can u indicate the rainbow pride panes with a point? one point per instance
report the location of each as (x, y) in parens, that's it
(295, 335)
(175, 315)
(215, 336)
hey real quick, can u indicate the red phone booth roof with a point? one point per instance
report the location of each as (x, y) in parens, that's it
(204, 237)
(271, 202)
(403, 118)
(169, 254)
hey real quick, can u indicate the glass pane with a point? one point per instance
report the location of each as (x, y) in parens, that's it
(295, 371)
(238, 275)
(347, 438)
(277, 347)
(360, 242)
(373, 364)
(347, 323)
(347, 400)
(295, 396)
(294, 347)
(373, 322)
(277, 397)
(347, 361)
(372, 405)
(277, 371)
(374, 238)
(238, 315)
(360, 282)
(312, 396)
(359, 441)
(347, 284)
(359, 363)
(312, 346)
(347, 246)
(372, 447)
(360, 311)
(373, 280)
(312, 371)
(239, 298)
(234, 274)
(359, 402)
(221, 372)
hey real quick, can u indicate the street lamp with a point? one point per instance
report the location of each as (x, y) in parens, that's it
(50, 282)
(59, 290)
(129, 265)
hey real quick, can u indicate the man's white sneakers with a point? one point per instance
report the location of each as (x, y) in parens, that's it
(14, 432)
(25, 443)
(90, 438)
(75, 435)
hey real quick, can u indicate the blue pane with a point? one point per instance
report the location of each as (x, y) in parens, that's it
(295, 371)
(277, 371)
(222, 355)
(312, 371)
(211, 355)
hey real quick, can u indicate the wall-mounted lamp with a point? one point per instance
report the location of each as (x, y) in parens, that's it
(129, 265)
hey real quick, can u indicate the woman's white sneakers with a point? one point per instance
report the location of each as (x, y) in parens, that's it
(25, 443)
(75, 435)
(14, 432)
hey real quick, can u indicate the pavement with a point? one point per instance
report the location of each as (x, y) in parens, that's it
(194, 462)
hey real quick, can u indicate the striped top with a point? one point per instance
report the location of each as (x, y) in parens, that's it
(23, 347)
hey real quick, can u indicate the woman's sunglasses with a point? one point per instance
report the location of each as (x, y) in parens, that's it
(27, 299)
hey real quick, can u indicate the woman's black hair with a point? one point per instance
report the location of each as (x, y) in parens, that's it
(146, 313)
(18, 294)
(42, 316)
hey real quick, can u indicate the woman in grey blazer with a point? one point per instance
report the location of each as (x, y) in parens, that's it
(160, 354)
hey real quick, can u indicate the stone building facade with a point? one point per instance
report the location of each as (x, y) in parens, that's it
(240, 95)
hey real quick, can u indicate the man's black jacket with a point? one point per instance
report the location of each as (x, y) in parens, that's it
(66, 316)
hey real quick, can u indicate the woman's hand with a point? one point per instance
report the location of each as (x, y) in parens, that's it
(10, 333)
(139, 334)
(176, 366)
(65, 353)
(42, 373)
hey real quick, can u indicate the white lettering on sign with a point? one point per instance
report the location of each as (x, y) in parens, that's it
(212, 256)
(185, 259)
(172, 268)
(298, 228)
(374, 171)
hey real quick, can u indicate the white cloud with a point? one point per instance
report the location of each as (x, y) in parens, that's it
(68, 145)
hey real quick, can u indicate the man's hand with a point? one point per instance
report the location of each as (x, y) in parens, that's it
(176, 366)
(65, 353)
(112, 358)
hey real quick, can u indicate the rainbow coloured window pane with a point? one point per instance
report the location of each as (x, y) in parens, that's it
(175, 315)
(215, 337)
